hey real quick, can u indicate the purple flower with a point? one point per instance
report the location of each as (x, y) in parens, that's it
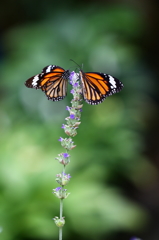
(66, 155)
(63, 126)
(60, 139)
(72, 91)
(71, 77)
(72, 116)
(57, 189)
(68, 176)
(67, 108)
(65, 174)
(75, 84)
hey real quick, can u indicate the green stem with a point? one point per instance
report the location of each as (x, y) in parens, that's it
(61, 213)
(60, 233)
(61, 210)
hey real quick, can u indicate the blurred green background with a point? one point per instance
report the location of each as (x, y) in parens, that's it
(115, 179)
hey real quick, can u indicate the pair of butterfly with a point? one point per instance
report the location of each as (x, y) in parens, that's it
(95, 86)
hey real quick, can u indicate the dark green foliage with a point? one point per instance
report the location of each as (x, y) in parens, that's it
(109, 143)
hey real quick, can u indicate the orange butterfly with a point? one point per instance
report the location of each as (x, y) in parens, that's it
(95, 86)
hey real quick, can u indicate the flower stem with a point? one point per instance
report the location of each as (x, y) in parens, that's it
(61, 207)
(70, 128)
(61, 213)
(60, 233)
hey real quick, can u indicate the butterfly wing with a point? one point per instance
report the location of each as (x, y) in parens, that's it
(33, 82)
(97, 86)
(52, 80)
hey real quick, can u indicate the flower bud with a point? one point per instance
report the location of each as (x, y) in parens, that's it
(77, 124)
(79, 107)
(63, 178)
(60, 222)
(63, 158)
(61, 193)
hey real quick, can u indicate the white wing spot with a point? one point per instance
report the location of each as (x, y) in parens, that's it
(35, 79)
(112, 81)
(48, 69)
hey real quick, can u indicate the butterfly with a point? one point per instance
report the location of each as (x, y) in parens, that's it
(97, 86)
(52, 80)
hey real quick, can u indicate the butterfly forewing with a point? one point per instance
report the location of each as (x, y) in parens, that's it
(97, 86)
(33, 82)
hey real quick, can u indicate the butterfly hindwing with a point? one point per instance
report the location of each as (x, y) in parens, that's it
(97, 86)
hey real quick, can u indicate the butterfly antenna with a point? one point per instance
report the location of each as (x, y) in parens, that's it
(76, 63)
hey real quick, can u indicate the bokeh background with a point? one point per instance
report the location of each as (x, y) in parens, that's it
(115, 178)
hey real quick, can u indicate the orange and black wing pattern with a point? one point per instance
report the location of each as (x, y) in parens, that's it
(52, 80)
(97, 86)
